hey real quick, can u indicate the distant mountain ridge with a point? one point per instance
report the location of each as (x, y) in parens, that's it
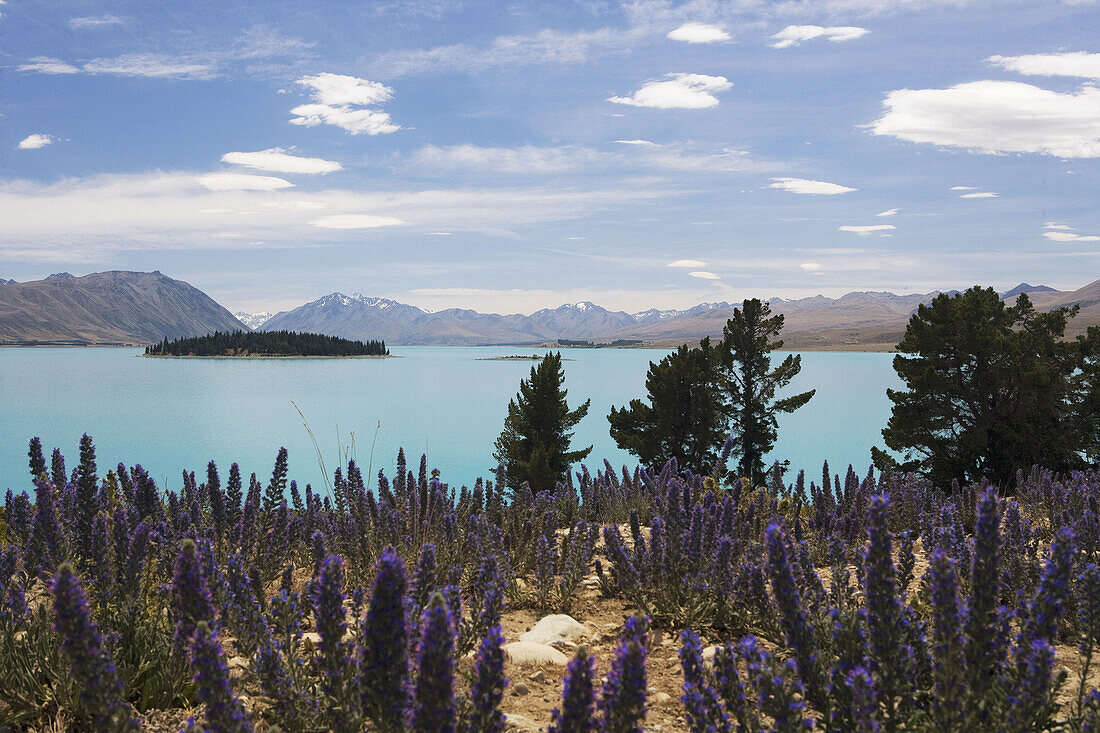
(827, 322)
(115, 307)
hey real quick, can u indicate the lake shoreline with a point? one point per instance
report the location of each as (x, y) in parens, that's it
(270, 356)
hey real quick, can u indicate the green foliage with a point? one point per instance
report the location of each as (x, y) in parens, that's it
(685, 417)
(990, 388)
(266, 343)
(534, 445)
(751, 383)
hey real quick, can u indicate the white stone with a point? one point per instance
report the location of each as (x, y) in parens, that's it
(555, 629)
(517, 722)
(530, 654)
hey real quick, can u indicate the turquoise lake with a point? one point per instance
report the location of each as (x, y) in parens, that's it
(449, 403)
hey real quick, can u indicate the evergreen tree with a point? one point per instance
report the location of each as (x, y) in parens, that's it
(990, 389)
(751, 384)
(685, 417)
(534, 445)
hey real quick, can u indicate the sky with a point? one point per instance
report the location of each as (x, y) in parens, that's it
(510, 156)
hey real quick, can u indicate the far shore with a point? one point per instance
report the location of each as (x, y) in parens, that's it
(270, 356)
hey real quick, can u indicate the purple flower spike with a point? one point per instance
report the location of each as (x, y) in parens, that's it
(949, 645)
(792, 615)
(864, 702)
(190, 597)
(224, 712)
(703, 710)
(577, 697)
(487, 690)
(622, 702)
(433, 701)
(383, 651)
(92, 666)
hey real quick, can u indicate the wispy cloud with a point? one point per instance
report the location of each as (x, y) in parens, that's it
(703, 275)
(677, 91)
(95, 21)
(242, 182)
(699, 33)
(634, 142)
(342, 101)
(687, 263)
(979, 195)
(794, 35)
(996, 117)
(1064, 233)
(888, 212)
(152, 65)
(278, 160)
(526, 159)
(962, 188)
(805, 186)
(35, 141)
(867, 229)
(1077, 63)
(356, 221)
(48, 65)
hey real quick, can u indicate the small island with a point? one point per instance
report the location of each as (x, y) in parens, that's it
(267, 344)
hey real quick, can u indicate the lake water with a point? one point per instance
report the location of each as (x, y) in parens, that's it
(448, 402)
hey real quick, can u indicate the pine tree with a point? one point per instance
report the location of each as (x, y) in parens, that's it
(751, 383)
(991, 389)
(685, 417)
(534, 445)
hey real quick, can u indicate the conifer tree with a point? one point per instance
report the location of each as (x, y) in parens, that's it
(534, 445)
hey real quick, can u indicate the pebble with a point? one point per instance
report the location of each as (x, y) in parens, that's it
(520, 688)
(662, 698)
(539, 676)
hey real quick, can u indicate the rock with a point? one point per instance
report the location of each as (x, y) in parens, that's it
(657, 637)
(709, 653)
(312, 637)
(662, 698)
(530, 654)
(516, 722)
(556, 628)
(520, 688)
(539, 676)
(237, 663)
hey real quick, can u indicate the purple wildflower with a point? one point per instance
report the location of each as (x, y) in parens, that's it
(703, 710)
(799, 633)
(92, 665)
(190, 597)
(383, 649)
(433, 709)
(335, 661)
(864, 706)
(622, 700)
(487, 689)
(577, 697)
(949, 644)
(224, 712)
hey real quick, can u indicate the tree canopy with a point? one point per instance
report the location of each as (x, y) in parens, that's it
(266, 343)
(991, 388)
(534, 445)
(699, 396)
(685, 418)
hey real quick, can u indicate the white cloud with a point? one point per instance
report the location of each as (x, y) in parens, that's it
(811, 266)
(356, 221)
(1062, 236)
(996, 117)
(699, 33)
(544, 47)
(242, 182)
(793, 35)
(980, 195)
(687, 263)
(48, 65)
(151, 65)
(705, 275)
(92, 219)
(95, 21)
(634, 142)
(1056, 225)
(521, 160)
(35, 141)
(888, 212)
(963, 188)
(1077, 63)
(277, 160)
(678, 91)
(340, 101)
(802, 185)
(865, 230)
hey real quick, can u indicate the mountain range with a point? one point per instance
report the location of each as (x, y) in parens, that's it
(121, 307)
(114, 307)
(858, 320)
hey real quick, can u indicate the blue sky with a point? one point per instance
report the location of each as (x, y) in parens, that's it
(512, 156)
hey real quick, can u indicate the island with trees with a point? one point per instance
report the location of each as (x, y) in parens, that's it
(266, 344)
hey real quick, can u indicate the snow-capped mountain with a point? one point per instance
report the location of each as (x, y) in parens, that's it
(252, 320)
